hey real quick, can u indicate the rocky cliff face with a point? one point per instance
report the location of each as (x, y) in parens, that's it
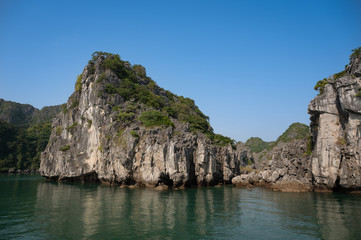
(334, 164)
(336, 129)
(284, 167)
(101, 134)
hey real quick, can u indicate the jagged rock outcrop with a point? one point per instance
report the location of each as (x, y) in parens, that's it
(336, 129)
(288, 169)
(99, 135)
(283, 164)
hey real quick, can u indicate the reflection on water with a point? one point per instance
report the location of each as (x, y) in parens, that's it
(91, 211)
(33, 208)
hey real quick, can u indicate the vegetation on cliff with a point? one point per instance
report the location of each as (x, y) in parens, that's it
(294, 132)
(356, 53)
(320, 85)
(145, 101)
(257, 145)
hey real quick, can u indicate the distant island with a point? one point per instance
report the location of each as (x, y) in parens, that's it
(24, 134)
(119, 127)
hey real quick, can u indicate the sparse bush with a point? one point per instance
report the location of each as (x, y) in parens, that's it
(309, 146)
(89, 121)
(139, 70)
(154, 118)
(78, 84)
(64, 108)
(134, 134)
(170, 95)
(356, 53)
(152, 85)
(64, 148)
(74, 104)
(72, 127)
(101, 147)
(58, 130)
(101, 77)
(125, 117)
(197, 123)
(247, 169)
(170, 111)
(341, 142)
(221, 140)
(339, 75)
(113, 63)
(320, 86)
(109, 88)
(358, 94)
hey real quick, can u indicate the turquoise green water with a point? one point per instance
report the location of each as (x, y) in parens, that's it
(31, 208)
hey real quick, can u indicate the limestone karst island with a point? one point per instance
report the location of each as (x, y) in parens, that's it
(120, 128)
(180, 120)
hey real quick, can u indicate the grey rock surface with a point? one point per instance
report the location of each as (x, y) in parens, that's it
(287, 170)
(336, 126)
(87, 143)
(334, 164)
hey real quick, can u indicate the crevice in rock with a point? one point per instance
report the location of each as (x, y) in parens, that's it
(165, 179)
(337, 187)
(343, 115)
(192, 168)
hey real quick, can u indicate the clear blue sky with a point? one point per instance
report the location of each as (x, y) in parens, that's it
(250, 65)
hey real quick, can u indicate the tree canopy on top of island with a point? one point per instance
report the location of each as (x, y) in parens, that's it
(137, 88)
(293, 132)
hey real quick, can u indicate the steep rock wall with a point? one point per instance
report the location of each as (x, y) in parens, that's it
(336, 129)
(88, 143)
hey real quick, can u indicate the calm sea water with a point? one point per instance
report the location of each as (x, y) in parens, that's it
(31, 208)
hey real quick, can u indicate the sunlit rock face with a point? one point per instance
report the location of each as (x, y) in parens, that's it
(334, 162)
(288, 169)
(97, 138)
(335, 126)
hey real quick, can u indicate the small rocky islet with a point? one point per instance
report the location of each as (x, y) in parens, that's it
(119, 127)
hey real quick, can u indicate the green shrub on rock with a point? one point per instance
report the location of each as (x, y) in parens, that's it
(58, 130)
(320, 86)
(101, 78)
(356, 53)
(139, 70)
(125, 117)
(339, 75)
(154, 118)
(72, 127)
(134, 134)
(78, 84)
(64, 148)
